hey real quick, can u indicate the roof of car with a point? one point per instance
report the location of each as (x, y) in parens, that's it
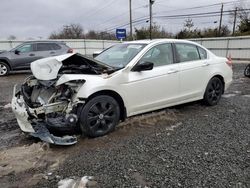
(44, 41)
(147, 41)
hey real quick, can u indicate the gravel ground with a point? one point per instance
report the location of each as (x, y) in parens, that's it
(198, 146)
(189, 145)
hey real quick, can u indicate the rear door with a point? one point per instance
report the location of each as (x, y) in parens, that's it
(49, 49)
(194, 70)
(44, 50)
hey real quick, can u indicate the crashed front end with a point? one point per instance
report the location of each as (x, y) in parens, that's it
(46, 111)
(46, 104)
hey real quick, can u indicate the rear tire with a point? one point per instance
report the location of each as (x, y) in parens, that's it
(4, 69)
(247, 71)
(99, 116)
(213, 92)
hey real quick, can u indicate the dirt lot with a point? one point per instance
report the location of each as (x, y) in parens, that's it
(185, 146)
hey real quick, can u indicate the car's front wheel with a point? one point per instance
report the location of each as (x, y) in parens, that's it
(4, 69)
(99, 116)
(213, 91)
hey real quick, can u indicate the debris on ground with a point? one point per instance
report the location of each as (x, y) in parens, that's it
(84, 182)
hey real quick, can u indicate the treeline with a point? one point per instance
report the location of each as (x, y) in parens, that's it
(75, 31)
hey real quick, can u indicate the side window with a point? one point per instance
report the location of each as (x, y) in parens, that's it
(202, 52)
(159, 55)
(187, 52)
(43, 47)
(55, 46)
(25, 48)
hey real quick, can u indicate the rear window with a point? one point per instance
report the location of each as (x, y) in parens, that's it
(55, 46)
(187, 52)
(202, 52)
(48, 46)
(43, 47)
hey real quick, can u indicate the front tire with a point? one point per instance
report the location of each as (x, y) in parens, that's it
(247, 71)
(213, 91)
(4, 69)
(99, 116)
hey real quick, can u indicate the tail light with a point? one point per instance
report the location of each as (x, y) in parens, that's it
(70, 50)
(229, 61)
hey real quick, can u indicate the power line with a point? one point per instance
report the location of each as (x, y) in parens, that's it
(227, 3)
(103, 7)
(203, 6)
(180, 16)
(190, 8)
(124, 13)
(203, 13)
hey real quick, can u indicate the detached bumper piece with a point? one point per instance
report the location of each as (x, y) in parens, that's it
(43, 133)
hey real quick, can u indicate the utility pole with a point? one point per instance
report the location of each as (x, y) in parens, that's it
(235, 17)
(130, 19)
(221, 14)
(151, 2)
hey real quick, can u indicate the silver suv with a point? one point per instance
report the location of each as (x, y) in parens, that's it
(19, 58)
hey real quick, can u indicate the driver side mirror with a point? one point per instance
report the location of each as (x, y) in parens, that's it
(17, 52)
(144, 66)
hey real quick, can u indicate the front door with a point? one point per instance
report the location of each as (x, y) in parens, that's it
(23, 56)
(156, 88)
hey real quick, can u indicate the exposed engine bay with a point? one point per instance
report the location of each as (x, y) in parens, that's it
(50, 109)
(47, 107)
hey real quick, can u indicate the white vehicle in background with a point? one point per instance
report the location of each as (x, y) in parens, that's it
(73, 94)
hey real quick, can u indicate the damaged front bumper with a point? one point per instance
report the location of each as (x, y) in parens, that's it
(38, 128)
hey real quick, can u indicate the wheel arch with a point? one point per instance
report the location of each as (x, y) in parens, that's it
(116, 96)
(7, 62)
(216, 76)
(221, 79)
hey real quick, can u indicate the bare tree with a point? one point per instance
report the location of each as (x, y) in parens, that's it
(189, 24)
(72, 31)
(12, 37)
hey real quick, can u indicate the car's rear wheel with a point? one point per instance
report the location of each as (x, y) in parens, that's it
(213, 91)
(4, 69)
(99, 116)
(247, 71)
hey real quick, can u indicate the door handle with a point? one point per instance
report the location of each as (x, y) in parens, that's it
(52, 52)
(32, 55)
(172, 71)
(205, 64)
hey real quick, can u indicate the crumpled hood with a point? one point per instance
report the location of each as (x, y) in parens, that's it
(48, 68)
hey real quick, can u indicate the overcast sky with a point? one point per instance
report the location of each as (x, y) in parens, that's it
(38, 18)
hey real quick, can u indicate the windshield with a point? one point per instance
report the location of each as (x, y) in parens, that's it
(120, 55)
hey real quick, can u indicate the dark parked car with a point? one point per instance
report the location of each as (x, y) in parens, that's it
(20, 57)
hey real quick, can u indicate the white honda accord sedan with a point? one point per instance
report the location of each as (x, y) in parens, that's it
(72, 93)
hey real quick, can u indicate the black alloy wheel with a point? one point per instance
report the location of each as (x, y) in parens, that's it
(213, 92)
(99, 116)
(247, 71)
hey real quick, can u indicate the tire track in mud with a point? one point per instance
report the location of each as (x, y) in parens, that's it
(25, 160)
